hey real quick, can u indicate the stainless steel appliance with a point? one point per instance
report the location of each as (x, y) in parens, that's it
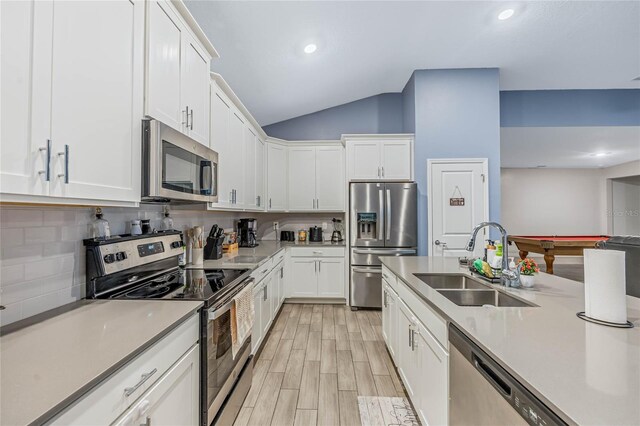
(176, 167)
(484, 393)
(383, 221)
(631, 246)
(146, 267)
(247, 229)
(315, 234)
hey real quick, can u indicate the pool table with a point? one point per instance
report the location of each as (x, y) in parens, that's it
(550, 246)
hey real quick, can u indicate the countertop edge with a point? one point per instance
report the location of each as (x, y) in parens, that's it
(78, 394)
(501, 362)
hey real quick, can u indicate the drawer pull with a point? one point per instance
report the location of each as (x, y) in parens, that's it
(317, 252)
(147, 422)
(143, 378)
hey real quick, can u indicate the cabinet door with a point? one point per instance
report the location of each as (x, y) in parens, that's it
(330, 184)
(195, 93)
(256, 331)
(260, 178)
(331, 277)
(432, 390)
(364, 160)
(96, 102)
(236, 166)
(276, 177)
(164, 50)
(396, 160)
(302, 178)
(25, 29)
(173, 400)
(249, 159)
(221, 143)
(304, 277)
(266, 312)
(406, 352)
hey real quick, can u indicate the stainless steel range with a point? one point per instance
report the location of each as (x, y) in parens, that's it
(146, 267)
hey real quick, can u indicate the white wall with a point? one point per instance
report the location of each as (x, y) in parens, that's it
(553, 201)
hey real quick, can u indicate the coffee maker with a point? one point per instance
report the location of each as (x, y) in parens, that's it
(247, 229)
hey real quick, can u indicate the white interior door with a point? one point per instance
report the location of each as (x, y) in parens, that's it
(458, 200)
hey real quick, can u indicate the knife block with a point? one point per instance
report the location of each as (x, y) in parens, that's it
(213, 248)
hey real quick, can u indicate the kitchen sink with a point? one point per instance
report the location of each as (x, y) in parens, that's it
(452, 282)
(484, 297)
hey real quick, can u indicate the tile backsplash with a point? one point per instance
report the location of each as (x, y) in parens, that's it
(42, 258)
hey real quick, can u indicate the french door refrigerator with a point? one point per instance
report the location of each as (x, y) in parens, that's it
(383, 221)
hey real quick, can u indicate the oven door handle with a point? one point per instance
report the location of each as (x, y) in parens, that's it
(215, 313)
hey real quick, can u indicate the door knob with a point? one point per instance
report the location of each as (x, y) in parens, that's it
(438, 242)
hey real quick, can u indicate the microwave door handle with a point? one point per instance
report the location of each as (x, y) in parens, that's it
(205, 177)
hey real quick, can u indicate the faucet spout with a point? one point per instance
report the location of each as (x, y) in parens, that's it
(506, 273)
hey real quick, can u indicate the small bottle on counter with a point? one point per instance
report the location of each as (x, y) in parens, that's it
(167, 221)
(182, 258)
(99, 227)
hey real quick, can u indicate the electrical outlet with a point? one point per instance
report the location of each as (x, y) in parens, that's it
(276, 225)
(324, 226)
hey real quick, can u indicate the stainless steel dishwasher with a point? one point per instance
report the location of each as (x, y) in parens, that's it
(483, 393)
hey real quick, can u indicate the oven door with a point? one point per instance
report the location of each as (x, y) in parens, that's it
(221, 370)
(176, 167)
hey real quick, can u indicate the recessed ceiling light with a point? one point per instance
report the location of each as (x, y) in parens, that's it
(310, 48)
(506, 14)
(600, 154)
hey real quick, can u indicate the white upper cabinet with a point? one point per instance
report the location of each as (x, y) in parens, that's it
(276, 177)
(236, 161)
(302, 178)
(250, 196)
(330, 183)
(316, 180)
(177, 73)
(23, 166)
(260, 177)
(379, 157)
(93, 129)
(96, 128)
(220, 122)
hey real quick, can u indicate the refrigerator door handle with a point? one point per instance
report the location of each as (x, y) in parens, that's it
(381, 200)
(388, 215)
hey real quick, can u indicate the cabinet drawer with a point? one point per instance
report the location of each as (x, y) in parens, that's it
(317, 251)
(278, 257)
(390, 277)
(108, 400)
(262, 270)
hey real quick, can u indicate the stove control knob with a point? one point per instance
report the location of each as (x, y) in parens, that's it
(176, 244)
(109, 258)
(121, 255)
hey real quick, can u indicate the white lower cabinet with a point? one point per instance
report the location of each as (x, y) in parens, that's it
(173, 399)
(268, 294)
(161, 386)
(256, 332)
(315, 275)
(421, 358)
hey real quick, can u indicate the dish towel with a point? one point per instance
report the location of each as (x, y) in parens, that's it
(242, 314)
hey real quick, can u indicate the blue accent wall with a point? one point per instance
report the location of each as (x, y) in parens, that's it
(565, 108)
(457, 114)
(376, 114)
(409, 106)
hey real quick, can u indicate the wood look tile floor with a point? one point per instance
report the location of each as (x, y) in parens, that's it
(316, 361)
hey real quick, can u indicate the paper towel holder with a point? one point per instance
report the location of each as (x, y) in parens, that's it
(583, 316)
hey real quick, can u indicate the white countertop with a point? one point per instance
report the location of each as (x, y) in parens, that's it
(588, 373)
(252, 257)
(46, 365)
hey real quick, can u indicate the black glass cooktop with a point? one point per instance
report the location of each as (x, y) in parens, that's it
(189, 284)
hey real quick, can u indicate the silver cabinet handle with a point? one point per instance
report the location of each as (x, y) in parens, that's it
(384, 298)
(319, 266)
(315, 266)
(318, 203)
(231, 197)
(382, 169)
(65, 153)
(186, 117)
(317, 252)
(144, 378)
(413, 339)
(47, 165)
(388, 215)
(269, 202)
(264, 293)
(378, 171)
(147, 422)
(410, 336)
(190, 115)
(314, 203)
(258, 201)
(281, 272)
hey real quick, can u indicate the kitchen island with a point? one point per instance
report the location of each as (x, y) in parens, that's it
(586, 373)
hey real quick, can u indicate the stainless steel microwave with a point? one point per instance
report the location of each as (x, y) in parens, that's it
(176, 167)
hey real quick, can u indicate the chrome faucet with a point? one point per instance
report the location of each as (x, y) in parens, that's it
(508, 278)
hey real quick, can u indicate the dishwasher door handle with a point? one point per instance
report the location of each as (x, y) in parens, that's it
(491, 376)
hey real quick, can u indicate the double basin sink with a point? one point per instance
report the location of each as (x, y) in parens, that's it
(465, 291)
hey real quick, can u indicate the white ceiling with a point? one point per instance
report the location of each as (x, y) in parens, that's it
(568, 147)
(366, 48)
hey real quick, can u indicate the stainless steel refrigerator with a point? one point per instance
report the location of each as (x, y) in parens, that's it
(383, 221)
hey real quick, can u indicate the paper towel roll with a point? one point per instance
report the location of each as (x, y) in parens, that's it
(604, 285)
